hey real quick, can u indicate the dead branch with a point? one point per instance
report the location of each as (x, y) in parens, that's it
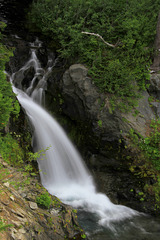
(97, 35)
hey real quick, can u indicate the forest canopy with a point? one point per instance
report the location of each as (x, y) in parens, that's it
(129, 25)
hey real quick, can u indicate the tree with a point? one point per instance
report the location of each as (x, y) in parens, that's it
(130, 23)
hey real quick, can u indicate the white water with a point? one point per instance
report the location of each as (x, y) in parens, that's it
(62, 170)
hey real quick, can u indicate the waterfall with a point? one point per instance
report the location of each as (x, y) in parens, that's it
(62, 170)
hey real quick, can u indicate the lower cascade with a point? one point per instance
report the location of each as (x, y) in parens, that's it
(62, 170)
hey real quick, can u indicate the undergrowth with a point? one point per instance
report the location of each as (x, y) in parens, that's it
(146, 163)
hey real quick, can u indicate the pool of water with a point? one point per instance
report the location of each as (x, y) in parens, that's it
(142, 227)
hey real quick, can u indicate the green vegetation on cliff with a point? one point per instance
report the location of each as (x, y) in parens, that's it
(8, 102)
(10, 148)
(130, 26)
(146, 161)
(4, 226)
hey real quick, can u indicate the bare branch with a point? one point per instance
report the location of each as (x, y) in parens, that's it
(97, 35)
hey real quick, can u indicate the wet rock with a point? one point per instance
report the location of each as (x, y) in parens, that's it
(21, 54)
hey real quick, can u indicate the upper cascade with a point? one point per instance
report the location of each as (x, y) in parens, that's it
(32, 76)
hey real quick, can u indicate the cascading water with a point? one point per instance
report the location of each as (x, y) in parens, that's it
(62, 170)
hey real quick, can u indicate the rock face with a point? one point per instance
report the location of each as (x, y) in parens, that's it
(83, 102)
(28, 220)
(154, 91)
(156, 63)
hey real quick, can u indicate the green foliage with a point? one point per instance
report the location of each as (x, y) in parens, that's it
(149, 146)
(129, 24)
(15, 155)
(83, 236)
(44, 200)
(147, 161)
(156, 189)
(140, 193)
(32, 157)
(74, 210)
(4, 226)
(8, 102)
(100, 123)
(10, 150)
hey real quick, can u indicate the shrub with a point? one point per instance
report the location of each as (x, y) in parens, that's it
(129, 24)
(44, 200)
(10, 150)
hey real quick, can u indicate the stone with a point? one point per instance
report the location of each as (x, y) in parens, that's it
(6, 184)
(20, 236)
(12, 198)
(156, 108)
(33, 205)
(18, 212)
(54, 212)
(6, 202)
(22, 230)
(154, 88)
(16, 223)
(5, 164)
(24, 195)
